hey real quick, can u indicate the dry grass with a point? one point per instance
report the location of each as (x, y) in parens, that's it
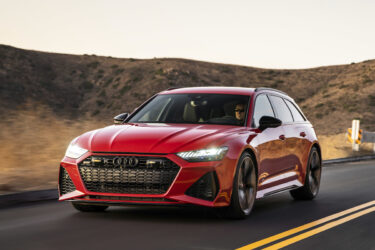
(33, 143)
(336, 146)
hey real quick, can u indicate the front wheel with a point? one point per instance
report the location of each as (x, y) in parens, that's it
(312, 181)
(244, 188)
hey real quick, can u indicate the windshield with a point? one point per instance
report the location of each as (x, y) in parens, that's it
(194, 108)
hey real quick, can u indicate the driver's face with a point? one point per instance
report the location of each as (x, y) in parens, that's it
(240, 112)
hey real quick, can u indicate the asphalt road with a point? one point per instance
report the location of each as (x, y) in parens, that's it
(54, 225)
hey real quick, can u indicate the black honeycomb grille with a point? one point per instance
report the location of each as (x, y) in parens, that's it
(127, 174)
(66, 184)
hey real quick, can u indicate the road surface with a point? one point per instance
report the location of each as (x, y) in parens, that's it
(56, 225)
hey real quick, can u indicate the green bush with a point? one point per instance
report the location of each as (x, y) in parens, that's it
(118, 71)
(99, 103)
(102, 93)
(109, 80)
(159, 72)
(87, 85)
(124, 89)
(371, 100)
(93, 65)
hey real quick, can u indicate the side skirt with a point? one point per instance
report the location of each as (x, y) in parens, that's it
(279, 188)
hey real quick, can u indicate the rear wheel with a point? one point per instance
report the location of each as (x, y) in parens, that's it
(89, 208)
(312, 181)
(244, 188)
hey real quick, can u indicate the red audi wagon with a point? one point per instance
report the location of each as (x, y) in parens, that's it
(220, 147)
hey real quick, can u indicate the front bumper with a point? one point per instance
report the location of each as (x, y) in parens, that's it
(185, 188)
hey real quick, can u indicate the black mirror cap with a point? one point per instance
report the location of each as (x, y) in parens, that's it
(119, 119)
(269, 122)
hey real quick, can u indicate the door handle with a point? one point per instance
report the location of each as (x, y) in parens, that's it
(282, 137)
(303, 134)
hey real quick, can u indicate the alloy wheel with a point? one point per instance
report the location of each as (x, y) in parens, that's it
(315, 172)
(246, 185)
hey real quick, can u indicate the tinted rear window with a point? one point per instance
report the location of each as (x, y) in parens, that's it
(296, 114)
(283, 112)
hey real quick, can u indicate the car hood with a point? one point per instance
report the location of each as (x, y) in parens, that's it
(156, 138)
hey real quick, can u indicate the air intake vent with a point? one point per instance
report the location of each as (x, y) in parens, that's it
(206, 188)
(66, 184)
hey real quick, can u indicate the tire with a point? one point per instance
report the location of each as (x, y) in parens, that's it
(244, 188)
(312, 180)
(88, 208)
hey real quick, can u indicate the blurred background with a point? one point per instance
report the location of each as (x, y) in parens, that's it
(69, 67)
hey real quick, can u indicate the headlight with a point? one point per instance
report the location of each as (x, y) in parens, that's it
(74, 151)
(210, 154)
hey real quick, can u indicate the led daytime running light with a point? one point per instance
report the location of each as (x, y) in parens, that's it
(210, 154)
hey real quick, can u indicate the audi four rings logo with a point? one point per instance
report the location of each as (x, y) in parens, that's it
(125, 161)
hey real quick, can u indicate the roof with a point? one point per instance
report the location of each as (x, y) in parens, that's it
(211, 90)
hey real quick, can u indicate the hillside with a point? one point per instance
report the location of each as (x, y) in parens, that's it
(101, 87)
(47, 99)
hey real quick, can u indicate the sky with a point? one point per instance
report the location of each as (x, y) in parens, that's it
(266, 34)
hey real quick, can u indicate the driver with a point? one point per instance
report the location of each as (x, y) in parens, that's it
(240, 112)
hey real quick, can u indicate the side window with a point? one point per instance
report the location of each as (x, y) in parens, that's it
(296, 114)
(283, 112)
(262, 108)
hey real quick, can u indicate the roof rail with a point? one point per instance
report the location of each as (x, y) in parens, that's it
(270, 89)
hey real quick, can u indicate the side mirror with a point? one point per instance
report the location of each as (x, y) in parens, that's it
(269, 122)
(119, 119)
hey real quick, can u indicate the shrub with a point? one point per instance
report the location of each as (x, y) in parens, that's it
(119, 71)
(159, 72)
(319, 105)
(371, 100)
(108, 82)
(99, 103)
(226, 70)
(87, 85)
(93, 65)
(366, 79)
(124, 89)
(102, 93)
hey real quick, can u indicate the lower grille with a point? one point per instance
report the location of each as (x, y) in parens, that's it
(65, 183)
(122, 198)
(127, 174)
(206, 188)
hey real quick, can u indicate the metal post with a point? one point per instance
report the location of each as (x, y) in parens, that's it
(355, 132)
(374, 147)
